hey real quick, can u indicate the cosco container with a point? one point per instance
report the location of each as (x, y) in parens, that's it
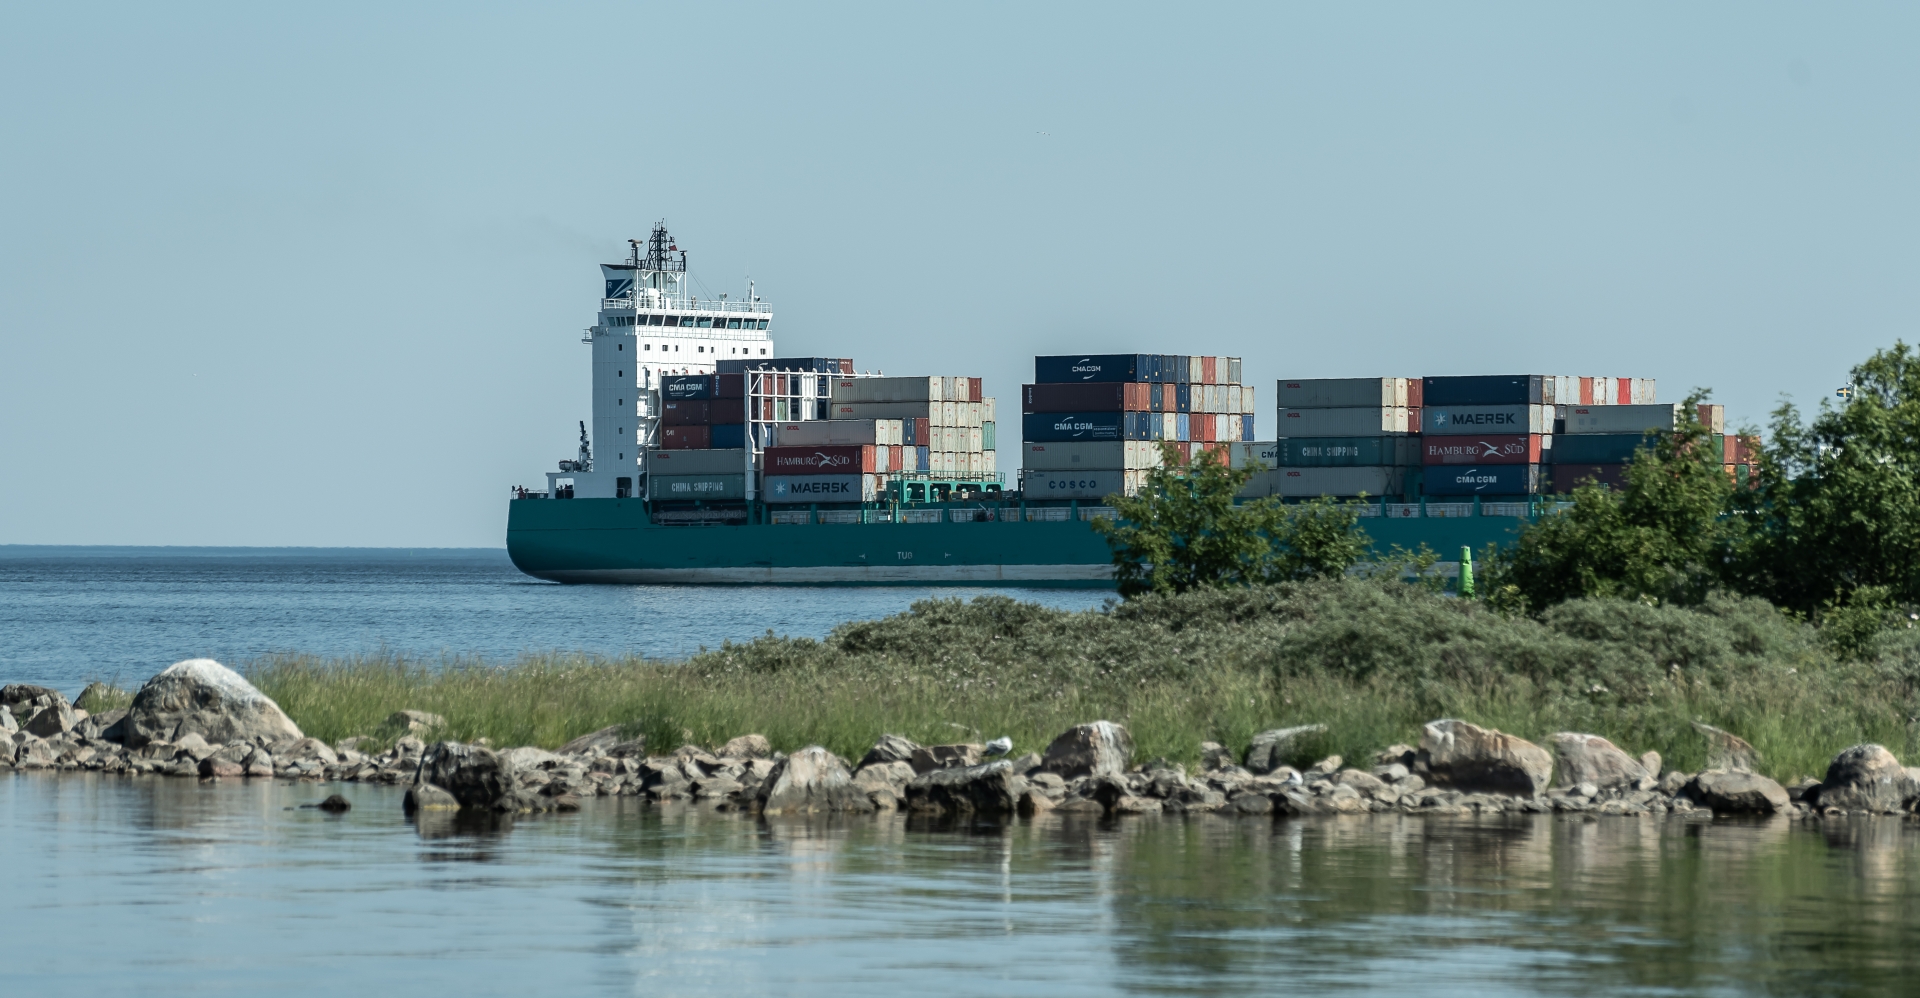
(1482, 479)
(819, 460)
(1077, 455)
(1620, 418)
(930, 389)
(1051, 426)
(1452, 420)
(696, 462)
(1312, 482)
(1096, 484)
(1564, 478)
(1093, 367)
(840, 431)
(697, 487)
(820, 488)
(1513, 448)
(1297, 393)
(1356, 421)
(1345, 452)
(1092, 396)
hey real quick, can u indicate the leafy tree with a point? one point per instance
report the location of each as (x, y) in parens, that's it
(1836, 502)
(1664, 538)
(1184, 531)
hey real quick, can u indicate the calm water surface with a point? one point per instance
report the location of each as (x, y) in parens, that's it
(70, 615)
(189, 888)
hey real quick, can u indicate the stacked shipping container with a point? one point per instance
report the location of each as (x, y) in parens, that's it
(1091, 425)
(1339, 436)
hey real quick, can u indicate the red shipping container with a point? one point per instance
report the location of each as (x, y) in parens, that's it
(973, 389)
(1208, 369)
(1416, 394)
(684, 413)
(1507, 448)
(1741, 449)
(1625, 395)
(895, 455)
(1565, 477)
(1586, 391)
(686, 437)
(731, 386)
(839, 460)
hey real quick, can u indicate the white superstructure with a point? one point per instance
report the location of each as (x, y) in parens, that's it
(649, 326)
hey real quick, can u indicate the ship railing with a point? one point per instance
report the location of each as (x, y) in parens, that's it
(1449, 509)
(517, 492)
(1092, 513)
(1048, 514)
(922, 515)
(1506, 509)
(689, 305)
(791, 516)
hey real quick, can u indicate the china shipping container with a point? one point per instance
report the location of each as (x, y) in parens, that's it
(847, 459)
(1453, 420)
(697, 486)
(1508, 448)
(1354, 421)
(697, 462)
(1620, 418)
(1481, 479)
(1313, 482)
(819, 488)
(1343, 452)
(1298, 393)
(1563, 478)
(1051, 426)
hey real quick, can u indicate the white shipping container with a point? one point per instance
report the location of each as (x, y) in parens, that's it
(1233, 399)
(825, 432)
(949, 414)
(987, 462)
(1242, 454)
(974, 462)
(1643, 393)
(1320, 393)
(1246, 400)
(976, 414)
(887, 390)
(1311, 482)
(986, 410)
(731, 461)
(1349, 421)
(974, 439)
(1714, 417)
(1621, 418)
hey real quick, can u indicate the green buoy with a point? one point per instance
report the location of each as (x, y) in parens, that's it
(1466, 571)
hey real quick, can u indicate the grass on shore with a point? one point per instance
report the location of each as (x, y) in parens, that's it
(1371, 659)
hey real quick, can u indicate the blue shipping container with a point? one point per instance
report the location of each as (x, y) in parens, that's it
(728, 436)
(686, 387)
(1246, 427)
(1183, 427)
(1596, 448)
(1048, 427)
(1095, 367)
(1183, 398)
(1485, 480)
(1483, 389)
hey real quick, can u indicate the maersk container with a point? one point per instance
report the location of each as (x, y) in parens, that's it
(1092, 367)
(1356, 421)
(1094, 484)
(1320, 393)
(1484, 390)
(1053, 426)
(1482, 479)
(819, 460)
(1621, 418)
(1484, 448)
(697, 462)
(1313, 482)
(1453, 420)
(1344, 452)
(1598, 448)
(820, 488)
(697, 486)
(1563, 478)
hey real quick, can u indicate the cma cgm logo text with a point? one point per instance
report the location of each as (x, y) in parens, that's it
(1442, 417)
(1085, 367)
(1076, 426)
(1476, 478)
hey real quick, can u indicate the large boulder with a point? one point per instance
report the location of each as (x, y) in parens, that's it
(1725, 791)
(884, 783)
(14, 694)
(1592, 759)
(1102, 748)
(811, 781)
(51, 717)
(1726, 750)
(201, 695)
(473, 775)
(1271, 749)
(993, 788)
(1481, 760)
(747, 747)
(603, 740)
(932, 757)
(1865, 778)
(890, 748)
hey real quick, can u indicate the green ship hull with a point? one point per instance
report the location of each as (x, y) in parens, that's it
(615, 541)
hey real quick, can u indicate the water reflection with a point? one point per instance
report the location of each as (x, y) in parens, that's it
(628, 898)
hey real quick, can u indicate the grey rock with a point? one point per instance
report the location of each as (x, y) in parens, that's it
(891, 777)
(632, 748)
(1468, 757)
(1581, 758)
(1726, 750)
(811, 780)
(52, 720)
(1270, 749)
(932, 757)
(1586, 789)
(14, 694)
(1866, 778)
(201, 695)
(748, 747)
(193, 746)
(8, 724)
(1736, 792)
(1214, 755)
(991, 788)
(1251, 803)
(309, 748)
(335, 804)
(528, 757)
(1366, 783)
(603, 739)
(473, 775)
(1672, 781)
(229, 761)
(890, 748)
(716, 786)
(1028, 762)
(1326, 767)
(1650, 761)
(1098, 749)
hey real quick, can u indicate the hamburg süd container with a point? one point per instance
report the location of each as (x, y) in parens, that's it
(697, 487)
(825, 460)
(1563, 478)
(1045, 427)
(697, 462)
(1501, 448)
(1482, 479)
(1452, 420)
(1354, 421)
(1621, 418)
(1300, 393)
(820, 488)
(1314, 482)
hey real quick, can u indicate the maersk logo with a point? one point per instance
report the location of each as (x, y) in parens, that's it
(818, 488)
(1442, 417)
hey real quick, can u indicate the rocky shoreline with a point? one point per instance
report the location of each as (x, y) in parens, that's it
(199, 719)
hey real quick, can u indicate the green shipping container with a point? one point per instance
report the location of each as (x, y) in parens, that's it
(1348, 452)
(697, 487)
(986, 435)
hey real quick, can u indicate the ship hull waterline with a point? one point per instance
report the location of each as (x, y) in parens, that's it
(612, 541)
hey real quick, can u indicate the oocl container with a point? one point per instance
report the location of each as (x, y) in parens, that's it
(824, 460)
(1519, 448)
(840, 431)
(927, 389)
(697, 462)
(1357, 421)
(1621, 418)
(1482, 479)
(1474, 419)
(1294, 393)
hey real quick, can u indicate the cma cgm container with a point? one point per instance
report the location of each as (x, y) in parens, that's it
(1091, 396)
(1455, 420)
(1310, 482)
(697, 462)
(820, 488)
(697, 487)
(1566, 477)
(1518, 448)
(1097, 367)
(1078, 455)
(819, 460)
(1328, 392)
(1371, 421)
(1043, 427)
(1482, 479)
(1345, 452)
(1621, 418)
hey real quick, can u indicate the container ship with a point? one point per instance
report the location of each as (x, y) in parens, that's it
(708, 458)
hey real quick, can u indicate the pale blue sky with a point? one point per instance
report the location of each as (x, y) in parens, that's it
(277, 274)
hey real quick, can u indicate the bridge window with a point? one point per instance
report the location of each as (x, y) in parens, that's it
(703, 322)
(763, 323)
(654, 320)
(733, 323)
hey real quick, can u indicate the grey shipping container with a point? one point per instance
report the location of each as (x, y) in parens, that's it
(1080, 455)
(697, 462)
(1354, 421)
(1458, 419)
(1093, 484)
(1310, 482)
(1621, 418)
(926, 389)
(1322, 392)
(697, 487)
(1347, 452)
